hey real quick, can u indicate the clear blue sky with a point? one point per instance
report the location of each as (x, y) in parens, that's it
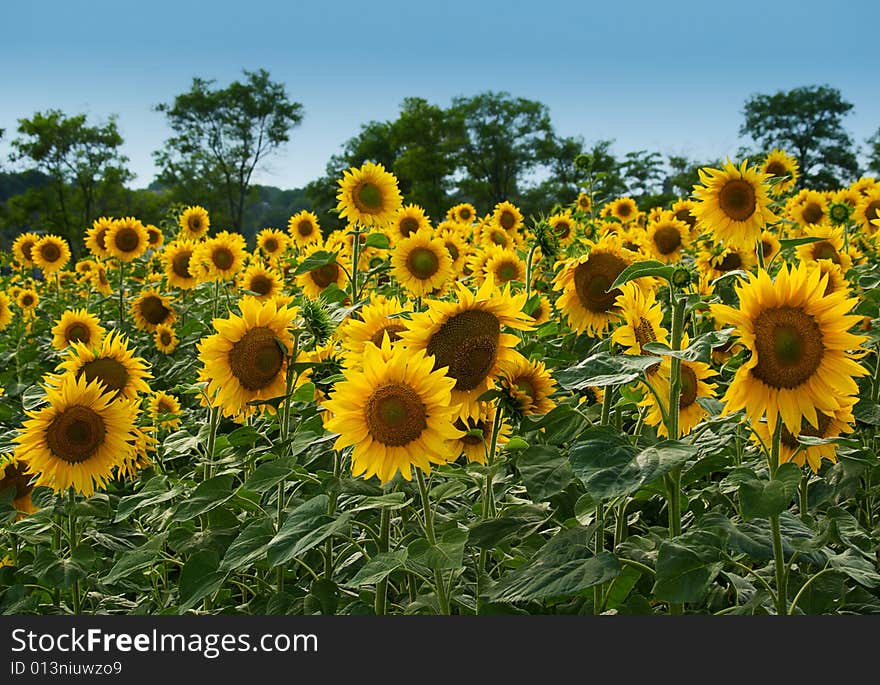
(659, 75)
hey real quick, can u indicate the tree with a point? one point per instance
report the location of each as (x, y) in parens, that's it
(221, 135)
(643, 172)
(874, 152)
(84, 163)
(807, 122)
(601, 172)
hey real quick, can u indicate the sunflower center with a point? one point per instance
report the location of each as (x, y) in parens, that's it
(731, 261)
(872, 211)
(507, 220)
(77, 332)
(392, 329)
(776, 168)
(563, 228)
(222, 258)
(305, 227)
(165, 338)
(464, 214)
(153, 310)
(469, 426)
(153, 236)
(788, 343)
(260, 285)
(791, 441)
(499, 238)
(271, 245)
(766, 248)
(163, 407)
(325, 275)
(737, 199)
(127, 239)
(812, 213)
(395, 415)
(688, 387)
(685, 215)
(101, 238)
(50, 252)
(667, 239)
(525, 386)
(27, 249)
(408, 225)
(593, 278)
(195, 224)
(422, 263)
(624, 209)
(75, 434)
(27, 300)
(180, 264)
(256, 359)
(468, 344)
(825, 250)
(111, 372)
(506, 271)
(644, 332)
(368, 198)
(453, 251)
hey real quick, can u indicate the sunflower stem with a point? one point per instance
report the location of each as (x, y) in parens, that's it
(529, 259)
(598, 547)
(439, 582)
(804, 496)
(875, 382)
(673, 479)
(121, 292)
(355, 260)
(488, 498)
(384, 538)
(759, 251)
(606, 405)
(775, 533)
(72, 542)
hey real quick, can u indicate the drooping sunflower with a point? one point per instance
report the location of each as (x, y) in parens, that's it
(22, 248)
(693, 386)
(127, 239)
(220, 257)
(178, 257)
(51, 253)
(463, 213)
(507, 216)
(779, 165)
(165, 339)
(266, 283)
(642, 319)
(272, 242)
(831, 246)
(564, 227)
(529, 385)
(733, 204)
(161, 404)
(868, 210)
(466, 337)
(667, 239)
(194, 223)
(316, 281)
(378, 319)
(121, 374)
(812, 209)
(5, 310)
(800, 348)
(304, 228)
(585, 281)
(397, 413)
(368, 196)
(77, 439)
(408, 220)
(27, 299)
(421, 263)
(152, 308)
(246, 359)
(77, 326)
(477, 434)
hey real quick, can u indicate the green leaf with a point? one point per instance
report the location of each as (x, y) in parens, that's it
(603, 369)
(761, 498)
(545, 471)
(518, 521)
(304, 393)
(136, 559)
(391, 501)
(642, 269)
(562, 424)
(379, 567)
(245, 435)
(154, 492)
(446, 554)
(316, 261)
(307, 526)
(856, 567)
(181, 443)
(208, 495)
(621, 587)
(700, 349)
(867, 412)
(266, 476)
(250, 546)
(378, 240)
(199, 578)
(686, 565)
(785, 243)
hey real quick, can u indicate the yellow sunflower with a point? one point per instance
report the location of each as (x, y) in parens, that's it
(504, 266)
(127, 239)
(683, 211)
(220, 257)
(246, 359)
(77, 439)
(27, 299)
(165, 339)
(720, 260)
(584, 202)
(112, 363)
(624, 209)
(316, 281)
(830, 246)
(770, 246)
(868, 210)
(463, 213)
(564, 226)
(178, 257)
(507, 216)
(397, 413)
(77, 326)
(265, 283)
(96, 237)
(368, 196)
(305, 229)
(800, 348)
(457, 247)
(150, 309)
(779, 165)
(541, 310)
(272, 242)
(812, 209)
(693, 386)
(642, 319)
(864, 185)
(529, 384)
(409, 220)
(5, 311)
(161, 404)
(493, 235)
(477, 434)
(667, 239)
(421, 263)
(378, 319)
(194, 223)
(16, 475)
(22, 248)
(466, 337)
(733, 204)
(51, 253)
(155, 239)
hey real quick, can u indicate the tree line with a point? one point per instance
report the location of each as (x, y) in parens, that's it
(480, 149)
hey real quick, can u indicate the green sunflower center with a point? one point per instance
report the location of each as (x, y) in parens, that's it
(423, 263)
(395, 415)
(369, 197)
(75, 434)
(256, 359)
(507, 220)
(788, 344)
(506, 271)
(737, 199)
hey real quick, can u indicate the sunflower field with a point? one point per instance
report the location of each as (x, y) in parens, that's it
(608, 410)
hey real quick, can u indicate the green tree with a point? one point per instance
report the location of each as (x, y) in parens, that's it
(643, 172)
(807, 122)
(84, 163)
(601, 173)
(221, 135)
(874, 152)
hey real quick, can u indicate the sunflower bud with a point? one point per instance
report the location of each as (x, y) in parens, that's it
(839, 212)
(545, 238)
(316, 320)
(681, 277)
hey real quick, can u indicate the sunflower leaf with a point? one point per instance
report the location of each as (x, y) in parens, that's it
(642, 269)
(700, 350)
(603, 369)
(316, 261)
(794, 242)
(377, 240)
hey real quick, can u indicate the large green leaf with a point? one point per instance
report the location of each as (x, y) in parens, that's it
(199, 578)
(763, 498)
(700, 349)
(250, 545)
(266, 476)
(136, 559)
(379, 567)
(686, 565)
(562, 424)
(603, 369)
(208, 495)
(642, 269)
(545, 471)
(447, 553)
(155, 491)
(315, 261)
(307, 526)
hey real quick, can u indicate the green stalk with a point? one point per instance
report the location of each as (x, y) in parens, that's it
(875, 381)
(384, 537)
(776, 535)
(803, 496)
(599, 546)
(673, 479)
(488, 493)
(121, 292)
(529, 271)
(355, 260)
(439, 582)
(72, 541)
(759, 250)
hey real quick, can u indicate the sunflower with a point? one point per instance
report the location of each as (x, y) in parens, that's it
(127, 239)
(624, 209)
(265, 283)
(667, 238)
(831, 246)
(246, 359)
(155, 239)
(463, 213)
(77, 326)
(304, 228)
(178, 257)
(466, 337)
(5, 310)
(812, 209)
(16, 475)
(99, 280)
(50, 253)
(166, 406)
(584, 202)
(377, 320)
(541, 310)
(683, 211)
(493, 235)
(142, 443)
(408, 220)
(693, 386)
(864, 185)
(642, 320)
(508, 217)
(78, 438)
(194, 223)
(27, 299)
(868, 210)
(165, 339)
(421, 263)
(529, 385)
(504, 266)
(585, 281)
(368, 196)
(397, 413)
(22, 248)
(733, 204)
(457, 247)
(800, 348)
(272, 242)
(721, 260)
(564, 227)
(150, 309)
(220, 257)
(122, 374)
(781, 166)
(770, 246)
(477, 434)
(316, 281)
(96, 237)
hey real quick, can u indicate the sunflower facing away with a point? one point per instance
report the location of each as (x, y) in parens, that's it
(779, 165)
(368, 196)
(112, 363)
(800, 348)
(398, 413)
(305, 229)
(127, 239)
(150, 309)
(421, 263)
(246, 359)
(77, 439)
(51, 253)
(77, 326)
(194, 223)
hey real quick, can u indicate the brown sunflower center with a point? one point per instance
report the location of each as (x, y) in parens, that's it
(222, 258)
(471, 425)
(498, 238)
(812, 213)
(392, 329)
(325, 275)
(593, 278)
(164, 407)
(737, 199)
(77, 332)
(180, 264)
(101, 238)
(766, 248)
(16, 476)
(127, 239)
(154, 310)
(506, 271)
(684, 214)
(644, 332)
(153, 236)
(256, 359)
(408, 226)
(731, 261)
(27, 249)
(464, 214)
(50, 252)
(110, 371)
(872, 211)
(791, 441)
(825, 250)
(788, 344)
(27, 300)
(507, 220)
(563, 229)
(624, 209)
(468, 344)
(422, 263)
(195, 223)
(270, 245)
(688, 387)
(667, 239)
(75, 434)
(776, 168)
(395, 415)
(453, 251)
(305, 227)
(368, 198)
(260, 284)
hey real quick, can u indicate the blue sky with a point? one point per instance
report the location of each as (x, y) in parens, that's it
(663, 76)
